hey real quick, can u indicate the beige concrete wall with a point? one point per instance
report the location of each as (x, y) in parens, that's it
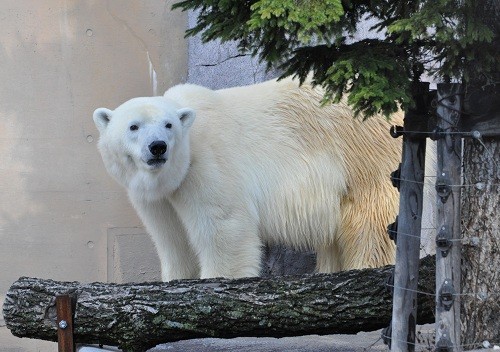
(61, 215)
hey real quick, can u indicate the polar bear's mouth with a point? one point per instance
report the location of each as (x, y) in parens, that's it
(156, 162)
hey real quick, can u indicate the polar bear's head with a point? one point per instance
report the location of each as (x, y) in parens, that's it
(144, 144)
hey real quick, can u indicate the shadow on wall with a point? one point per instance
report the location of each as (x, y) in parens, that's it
(37, 108)
(60, 61)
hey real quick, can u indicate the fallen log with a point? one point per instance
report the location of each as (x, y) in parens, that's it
(137, 317)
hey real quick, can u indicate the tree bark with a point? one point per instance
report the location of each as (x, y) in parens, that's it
(481, 200)
(481, 245)
(139, 316)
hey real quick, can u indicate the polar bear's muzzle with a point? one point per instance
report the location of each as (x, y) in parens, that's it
(156, 162)
(158, 150)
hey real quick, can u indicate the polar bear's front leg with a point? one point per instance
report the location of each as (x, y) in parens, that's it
(227, 247)
(177, 258)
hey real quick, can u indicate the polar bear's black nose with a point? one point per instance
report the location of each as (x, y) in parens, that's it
(158, 148)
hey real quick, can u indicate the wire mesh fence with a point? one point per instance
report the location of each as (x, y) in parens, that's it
(479, 294)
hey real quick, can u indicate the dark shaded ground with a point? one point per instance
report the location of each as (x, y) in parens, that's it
(363, 341)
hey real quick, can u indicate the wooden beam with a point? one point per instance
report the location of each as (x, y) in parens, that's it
(404, 313)
(448, 251)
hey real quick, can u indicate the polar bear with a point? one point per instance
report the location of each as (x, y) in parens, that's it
(216, 174)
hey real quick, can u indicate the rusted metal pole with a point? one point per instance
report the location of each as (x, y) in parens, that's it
(64, 307)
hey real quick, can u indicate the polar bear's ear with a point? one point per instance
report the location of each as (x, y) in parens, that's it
(187, 116)
(102, 116)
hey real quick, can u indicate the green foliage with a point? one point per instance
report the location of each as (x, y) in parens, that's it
(374, 76)
(457, 36)
(311, 38)
(309, 19)
(364, 75)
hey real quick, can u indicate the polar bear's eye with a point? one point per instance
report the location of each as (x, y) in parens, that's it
(134, 127)
(168, 125)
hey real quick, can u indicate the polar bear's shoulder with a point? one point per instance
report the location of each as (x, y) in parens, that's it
(203, 97)
(191, 94)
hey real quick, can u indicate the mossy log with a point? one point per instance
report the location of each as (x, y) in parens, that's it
(139, 316)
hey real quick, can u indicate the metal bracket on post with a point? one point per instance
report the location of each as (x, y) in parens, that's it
(443, 240)
(443, 187)
(389, 283)
(396, 177)
(444, 344)
(392, 230)
(446, 294)
(437, 133)
(396, 131)
(64, 307)
(387, 335)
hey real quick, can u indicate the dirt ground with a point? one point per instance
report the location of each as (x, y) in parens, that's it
(363, 341)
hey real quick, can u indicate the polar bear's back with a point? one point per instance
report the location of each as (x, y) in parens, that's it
(281, 111)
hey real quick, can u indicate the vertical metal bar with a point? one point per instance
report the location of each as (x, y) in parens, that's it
(449, 162)
(404, 313)
(64, 308)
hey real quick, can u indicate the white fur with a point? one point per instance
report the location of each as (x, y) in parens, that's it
(259, 164)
